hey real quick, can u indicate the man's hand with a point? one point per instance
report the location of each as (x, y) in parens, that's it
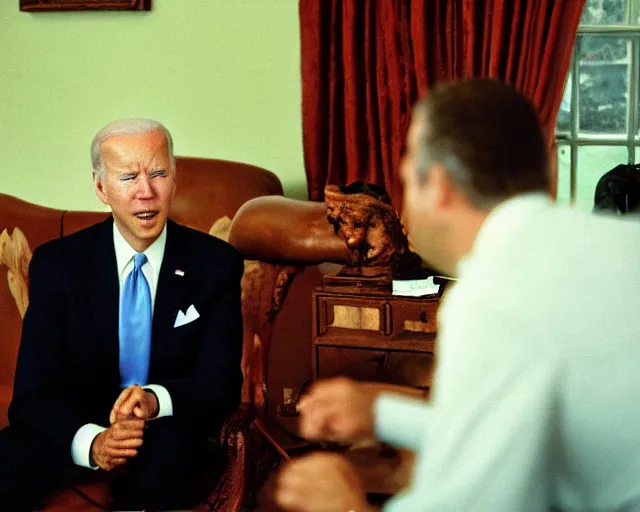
(134, 402)
(320, 482)
(337, 410)
(111, 448)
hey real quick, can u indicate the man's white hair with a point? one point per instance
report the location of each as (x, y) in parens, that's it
(125, 127)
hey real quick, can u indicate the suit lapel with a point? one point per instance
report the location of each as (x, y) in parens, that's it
(171, 287)
(106, 296)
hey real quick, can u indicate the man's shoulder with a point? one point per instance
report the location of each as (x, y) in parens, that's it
(75, 244)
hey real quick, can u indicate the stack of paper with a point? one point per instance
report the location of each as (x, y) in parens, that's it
(415, 287)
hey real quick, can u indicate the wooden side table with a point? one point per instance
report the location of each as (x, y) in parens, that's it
(369, 336)
(372, 337)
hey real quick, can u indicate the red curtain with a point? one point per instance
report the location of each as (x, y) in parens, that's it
(365, 62)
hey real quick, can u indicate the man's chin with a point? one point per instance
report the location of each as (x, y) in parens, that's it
(432, 261)
(148, 232)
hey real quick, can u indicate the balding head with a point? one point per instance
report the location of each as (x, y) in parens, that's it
(125, 127)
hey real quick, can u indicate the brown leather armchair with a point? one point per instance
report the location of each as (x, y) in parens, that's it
(208, 190)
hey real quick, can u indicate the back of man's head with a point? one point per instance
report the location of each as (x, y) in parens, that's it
(488, 138)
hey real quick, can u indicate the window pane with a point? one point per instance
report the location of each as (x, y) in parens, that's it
(593, 162)
(603, 89)
(564, 174)
(603, 12)
(563, 121)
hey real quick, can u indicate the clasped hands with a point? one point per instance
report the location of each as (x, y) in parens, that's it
(121, 441)
(334, 410)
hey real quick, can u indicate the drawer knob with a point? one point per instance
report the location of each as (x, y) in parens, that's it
(420, 325)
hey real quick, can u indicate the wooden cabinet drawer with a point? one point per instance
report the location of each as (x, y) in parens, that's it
(388, 338)
(409, 369)
(403, 368)
(415, 316)
(336, 316)
(359, 364)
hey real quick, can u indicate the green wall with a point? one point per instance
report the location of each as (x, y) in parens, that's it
(222, 75)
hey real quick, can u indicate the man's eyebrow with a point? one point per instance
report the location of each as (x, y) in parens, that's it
(126, 172)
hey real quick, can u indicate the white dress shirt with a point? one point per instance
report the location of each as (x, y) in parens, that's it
(81, 444)
(536, 398)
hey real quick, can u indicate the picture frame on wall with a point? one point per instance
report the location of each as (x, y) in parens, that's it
(85, 5)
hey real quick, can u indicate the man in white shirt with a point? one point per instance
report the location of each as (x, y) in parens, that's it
(131, 345)
(536, 392)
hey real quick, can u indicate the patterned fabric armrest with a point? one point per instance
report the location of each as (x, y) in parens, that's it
(234, 490)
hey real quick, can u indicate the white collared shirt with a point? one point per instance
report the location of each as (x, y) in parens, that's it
(81, 444)
(535, 398)
(151, 268)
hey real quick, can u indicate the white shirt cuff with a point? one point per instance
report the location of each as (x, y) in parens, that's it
(165, 405)
(81, 444)
(400, 420)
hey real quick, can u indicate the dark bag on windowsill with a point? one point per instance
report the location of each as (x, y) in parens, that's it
(618, 191)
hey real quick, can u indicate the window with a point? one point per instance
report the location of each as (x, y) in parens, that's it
(598, 125)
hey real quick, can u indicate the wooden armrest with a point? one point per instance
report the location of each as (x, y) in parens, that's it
(282, 230)
(233, 490)
(238, 424)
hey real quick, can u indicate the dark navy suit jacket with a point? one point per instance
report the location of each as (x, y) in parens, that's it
(68, 372)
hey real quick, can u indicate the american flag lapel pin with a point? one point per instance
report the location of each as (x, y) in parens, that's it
(180, 272)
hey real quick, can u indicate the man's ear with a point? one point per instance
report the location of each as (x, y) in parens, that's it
(99, 188)
(175, 181)
(440, 188)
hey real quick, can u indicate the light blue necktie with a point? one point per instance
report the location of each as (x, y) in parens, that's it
(135, 326)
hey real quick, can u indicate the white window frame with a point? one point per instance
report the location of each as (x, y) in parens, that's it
(573, 140)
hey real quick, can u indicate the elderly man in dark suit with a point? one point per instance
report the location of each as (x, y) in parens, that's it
(131, 346)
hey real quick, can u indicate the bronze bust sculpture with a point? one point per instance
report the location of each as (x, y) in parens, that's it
(362, 215)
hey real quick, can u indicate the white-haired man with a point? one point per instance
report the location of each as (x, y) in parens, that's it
(131, 345)
(535, 399)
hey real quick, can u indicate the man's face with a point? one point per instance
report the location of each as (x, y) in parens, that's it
(419, 198)
(139, 184)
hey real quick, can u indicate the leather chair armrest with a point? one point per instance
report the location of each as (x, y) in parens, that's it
(287, 231)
